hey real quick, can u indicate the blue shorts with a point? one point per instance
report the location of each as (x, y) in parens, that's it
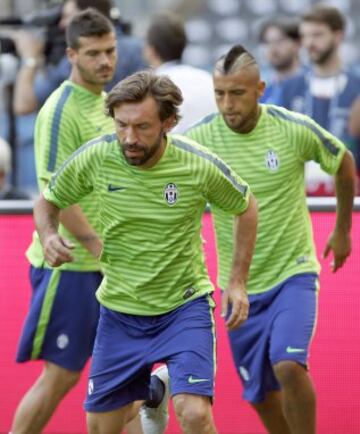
(280, 327)
(61, 323)
(127, 347)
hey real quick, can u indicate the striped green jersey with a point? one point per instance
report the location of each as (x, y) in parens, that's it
(70, 117)
(271, 159)
(152, 254)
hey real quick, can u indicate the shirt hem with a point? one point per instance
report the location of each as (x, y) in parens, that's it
(151, 311)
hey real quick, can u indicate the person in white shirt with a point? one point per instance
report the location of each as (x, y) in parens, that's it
(165, 43)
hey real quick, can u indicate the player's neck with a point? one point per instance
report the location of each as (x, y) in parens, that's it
(252, 121)
(331, 67)
(91, 87)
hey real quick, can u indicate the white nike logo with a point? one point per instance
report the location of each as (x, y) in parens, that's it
(193, 380)
(294, 350)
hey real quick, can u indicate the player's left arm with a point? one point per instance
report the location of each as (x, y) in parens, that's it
(339, 241)
(315, 143)
(235, 295)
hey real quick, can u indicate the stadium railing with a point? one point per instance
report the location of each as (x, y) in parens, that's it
(325, 204)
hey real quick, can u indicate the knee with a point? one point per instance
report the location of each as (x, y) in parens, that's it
(193, 411)
(60, 378)
(92, 423)
(289, 373)
(70, 379)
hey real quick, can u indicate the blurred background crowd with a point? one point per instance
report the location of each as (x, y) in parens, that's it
(310, 62)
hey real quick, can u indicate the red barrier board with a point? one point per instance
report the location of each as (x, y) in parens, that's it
(335, 355)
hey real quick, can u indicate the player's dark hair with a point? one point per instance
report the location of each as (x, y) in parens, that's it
(87, 23)
(166, 34)
(289, 27)
(142, 84)
(328, 15)
(231, 59)
(103, 6)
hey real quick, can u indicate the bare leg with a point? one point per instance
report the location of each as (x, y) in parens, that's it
(299, 401)
(42, 399)
(271, 413)
(134, 427)
(194, 414)
(112, 422)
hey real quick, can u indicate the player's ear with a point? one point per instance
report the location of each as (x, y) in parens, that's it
(261, 88)
(169, 123)
(71, 54)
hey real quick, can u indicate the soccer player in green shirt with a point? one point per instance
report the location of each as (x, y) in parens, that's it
(61, 323)
(155, 298)
(269, 146)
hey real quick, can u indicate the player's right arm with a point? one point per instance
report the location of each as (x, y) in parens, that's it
(50, 157)
(245, 225)
(57, 250)
(228, 191)
(74, 180)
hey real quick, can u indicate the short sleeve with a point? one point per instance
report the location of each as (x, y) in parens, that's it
(57, 136)
(312, 142)
(74, 179)
(225, 189)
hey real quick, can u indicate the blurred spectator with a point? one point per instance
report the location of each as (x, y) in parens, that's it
(165, 43)
(8, 68)
(354, 120)
(6, 190)
(326, 91)
(281, 39)
(35, 81)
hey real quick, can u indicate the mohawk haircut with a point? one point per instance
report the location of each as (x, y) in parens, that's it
(237, 58)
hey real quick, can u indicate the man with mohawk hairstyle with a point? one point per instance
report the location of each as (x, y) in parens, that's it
(269, 146)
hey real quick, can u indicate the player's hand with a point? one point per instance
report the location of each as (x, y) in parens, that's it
(57, 250)
(237, 300)
(340, 244)
(29, 45)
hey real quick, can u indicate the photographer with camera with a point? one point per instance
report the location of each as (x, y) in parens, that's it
(37, 31)
(36, 80)
(8, 68)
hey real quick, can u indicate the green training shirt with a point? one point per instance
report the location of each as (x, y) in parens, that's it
(70, 117)
(271, 159)
(152, 257)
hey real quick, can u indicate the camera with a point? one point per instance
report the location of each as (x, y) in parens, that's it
(48, 21)
(7, 46)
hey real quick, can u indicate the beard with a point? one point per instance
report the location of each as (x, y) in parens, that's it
(322, 57)
(145, 153)
(241, 123)
(281, 65)
(95, 77)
